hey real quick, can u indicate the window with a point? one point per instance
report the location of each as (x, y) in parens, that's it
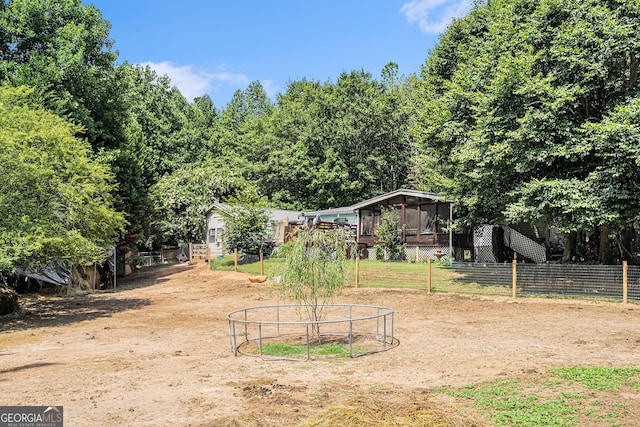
(215, 235)
(366, 222)
(412, 220)
(428, 219)
(443, 216)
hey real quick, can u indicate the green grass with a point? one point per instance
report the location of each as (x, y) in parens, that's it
(299, 350)
(600, 378)
(226, 264)
(552, 399)
(381, 274)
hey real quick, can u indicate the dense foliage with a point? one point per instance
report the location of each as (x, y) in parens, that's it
(180, 199)
(527, 110)
(55, 201)
(246, 220)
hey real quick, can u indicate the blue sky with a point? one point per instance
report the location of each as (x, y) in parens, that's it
(217, 47)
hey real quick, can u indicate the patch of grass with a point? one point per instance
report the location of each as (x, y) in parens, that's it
(386, 274)
(300, 350)
(601, 378)
(552, 400)
(381, 274)
(226, 263)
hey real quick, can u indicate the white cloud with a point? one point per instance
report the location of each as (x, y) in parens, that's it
(270, 87)
(433, 16)
(192, 82)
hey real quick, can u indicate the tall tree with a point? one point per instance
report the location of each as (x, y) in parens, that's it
(180, 198)
(62, 47)
(54, 198)
(503, 101)
(157, 114)
(333, 144)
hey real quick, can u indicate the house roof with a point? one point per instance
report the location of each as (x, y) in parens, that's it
(399, 192)
(218, 206)
(331, 211)
(275, 215)
(279, 215)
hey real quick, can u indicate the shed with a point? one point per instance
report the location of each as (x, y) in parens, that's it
(424, 216)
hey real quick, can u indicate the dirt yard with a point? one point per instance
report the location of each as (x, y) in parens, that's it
(157, 352)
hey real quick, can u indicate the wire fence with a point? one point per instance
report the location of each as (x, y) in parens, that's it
(439, 274)
(618, 282)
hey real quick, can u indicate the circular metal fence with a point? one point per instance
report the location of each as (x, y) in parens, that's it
(264, 331)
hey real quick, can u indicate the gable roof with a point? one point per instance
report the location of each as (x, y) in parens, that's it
(399, 192)
(218, 206)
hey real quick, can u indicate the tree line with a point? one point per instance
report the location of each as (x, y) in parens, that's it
(526, 110)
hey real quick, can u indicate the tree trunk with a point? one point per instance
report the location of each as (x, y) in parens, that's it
(8, 300)
(570, 240)
(627, 246)
(606, 254)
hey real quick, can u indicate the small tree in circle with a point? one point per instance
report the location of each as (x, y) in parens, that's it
(316, 267)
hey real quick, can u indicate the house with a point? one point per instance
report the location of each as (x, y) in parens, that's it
(279, 221)
(424, 217)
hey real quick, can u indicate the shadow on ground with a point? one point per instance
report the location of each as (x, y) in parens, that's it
(41, 312)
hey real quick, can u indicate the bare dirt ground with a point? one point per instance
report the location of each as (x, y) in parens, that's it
(157, 353)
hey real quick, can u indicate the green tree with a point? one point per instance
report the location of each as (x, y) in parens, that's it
(181, 197)
(199, 137)
(156, 117)
(62, 48)
(315, 270)
(55, 200)
(616, 178)
(504, 102)
(389, 234)
(334, 144)
(246, 223)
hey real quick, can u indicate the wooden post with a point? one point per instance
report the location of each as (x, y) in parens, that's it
(514, 273)
(235, 259)
(190, 252)
(625, 284)
(261, 263)
(417, 254)
(429, 274)
(357, 269)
